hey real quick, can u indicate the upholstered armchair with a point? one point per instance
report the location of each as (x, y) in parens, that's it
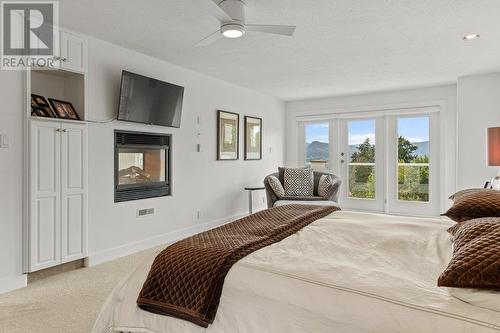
(331, 199)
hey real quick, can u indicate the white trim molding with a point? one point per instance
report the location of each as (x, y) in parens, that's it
(13, 282)
(164, 239)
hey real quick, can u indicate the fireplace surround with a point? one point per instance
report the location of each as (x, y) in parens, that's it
(142, 165)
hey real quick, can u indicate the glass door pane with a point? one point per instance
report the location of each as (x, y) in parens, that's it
(317, 145)
(413, 159)
(361, 159)
(362, 163)
(413, 164)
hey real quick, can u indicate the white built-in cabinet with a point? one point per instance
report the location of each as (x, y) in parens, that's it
(56, 162)
(58, 193)
(73, 52)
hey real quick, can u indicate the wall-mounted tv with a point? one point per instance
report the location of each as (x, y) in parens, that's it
(149, 101)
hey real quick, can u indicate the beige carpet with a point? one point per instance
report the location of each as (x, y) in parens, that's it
(65, 303)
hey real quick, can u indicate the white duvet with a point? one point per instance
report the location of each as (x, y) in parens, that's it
(349, 272)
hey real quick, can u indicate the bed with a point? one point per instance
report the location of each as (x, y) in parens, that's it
(346, 272)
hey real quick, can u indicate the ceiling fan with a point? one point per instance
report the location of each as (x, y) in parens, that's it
(231, 14)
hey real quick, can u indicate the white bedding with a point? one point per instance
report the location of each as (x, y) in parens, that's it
(349, 272)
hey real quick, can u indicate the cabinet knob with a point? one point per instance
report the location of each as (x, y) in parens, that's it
(64, 59)
(64, 130)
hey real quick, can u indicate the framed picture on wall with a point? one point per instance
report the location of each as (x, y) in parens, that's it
(228, 134)
(253, 138)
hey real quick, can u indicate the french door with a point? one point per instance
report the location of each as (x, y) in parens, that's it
(389, 162)
(361, 163)
(413, 164)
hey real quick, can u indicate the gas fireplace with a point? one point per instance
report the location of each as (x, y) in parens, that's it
(142, 165)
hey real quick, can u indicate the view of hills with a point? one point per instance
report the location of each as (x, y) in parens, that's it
(319, 150)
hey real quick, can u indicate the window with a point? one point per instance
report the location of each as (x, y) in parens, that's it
(317, 144)
(361, 159)
(413, 159)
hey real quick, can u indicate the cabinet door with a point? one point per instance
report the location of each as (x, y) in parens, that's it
(73, 192)
(45, 201)
(73, 52)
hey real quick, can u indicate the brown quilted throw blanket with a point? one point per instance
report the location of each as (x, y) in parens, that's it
(186, 279)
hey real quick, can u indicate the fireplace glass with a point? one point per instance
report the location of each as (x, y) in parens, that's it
(140, 166)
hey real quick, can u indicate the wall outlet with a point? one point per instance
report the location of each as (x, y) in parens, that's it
(4, 141)
(263, 201)
(145, 212)
(198, 215)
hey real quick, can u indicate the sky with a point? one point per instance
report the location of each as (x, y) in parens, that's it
(414, 129)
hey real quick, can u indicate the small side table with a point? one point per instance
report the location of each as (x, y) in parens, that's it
(250, 190)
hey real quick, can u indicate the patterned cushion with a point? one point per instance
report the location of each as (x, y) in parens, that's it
(276, 186)
(305, 198)
(461, 193)
(475, 205)
(299, 182)
(476, 256)
(454, 229)
(281, 173)
(325, 185)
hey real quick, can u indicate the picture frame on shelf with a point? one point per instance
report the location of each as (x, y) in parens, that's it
(253, 138)
(40, 107)
(228, 134)
(41, 112)
(63, 109)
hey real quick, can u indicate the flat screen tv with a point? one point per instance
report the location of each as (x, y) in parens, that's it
(149, 101)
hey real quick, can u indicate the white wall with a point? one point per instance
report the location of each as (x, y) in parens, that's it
(478, 109)
(446, 96)
(11, 178)
(200, 183)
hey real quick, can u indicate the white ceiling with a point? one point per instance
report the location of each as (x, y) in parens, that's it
(340, 46)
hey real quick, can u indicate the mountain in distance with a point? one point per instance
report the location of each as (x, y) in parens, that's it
(319, 150)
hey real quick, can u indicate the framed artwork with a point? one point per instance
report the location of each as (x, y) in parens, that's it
(228, 134)
(40, 107)
(64, 110)
(253, 138)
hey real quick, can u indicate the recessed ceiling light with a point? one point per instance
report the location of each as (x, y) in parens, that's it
(233, 30)
(471, 36)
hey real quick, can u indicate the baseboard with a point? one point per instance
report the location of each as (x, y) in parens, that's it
(12, 283)
(170, 237)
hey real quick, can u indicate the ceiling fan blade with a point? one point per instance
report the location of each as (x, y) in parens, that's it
(286, 30)
(214, 9)
(209, 39)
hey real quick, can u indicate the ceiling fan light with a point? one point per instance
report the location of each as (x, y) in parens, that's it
(232, 31)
